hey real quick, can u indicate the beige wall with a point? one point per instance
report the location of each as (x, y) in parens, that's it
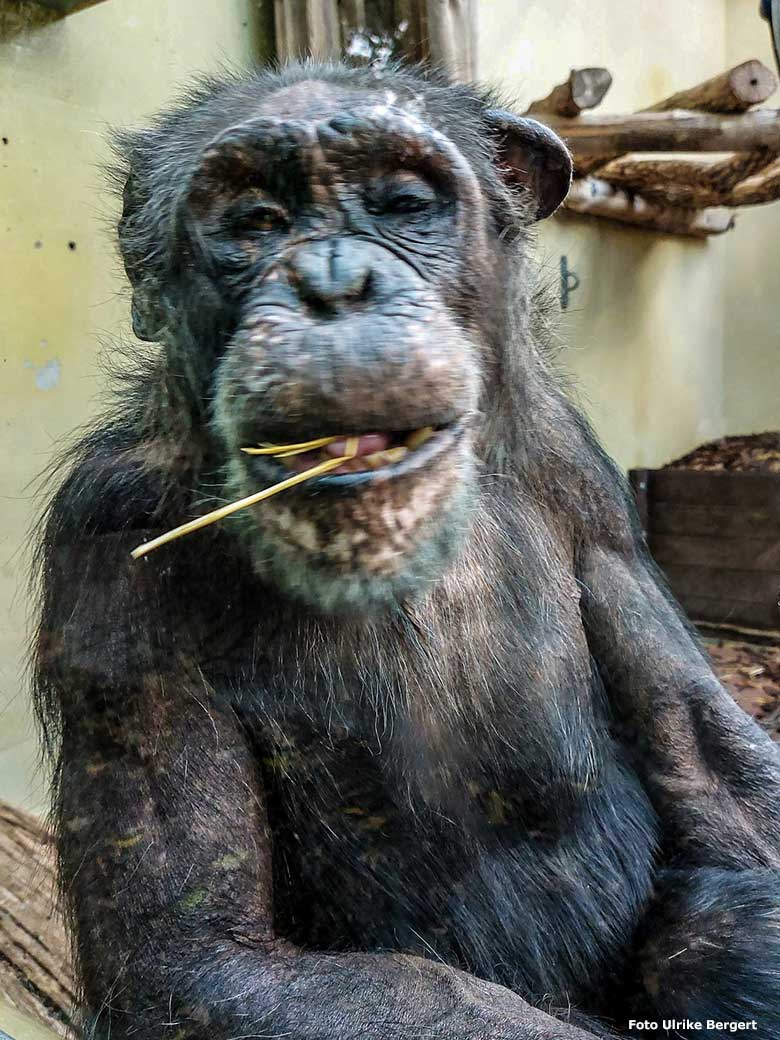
(61, 85)
(669, 341)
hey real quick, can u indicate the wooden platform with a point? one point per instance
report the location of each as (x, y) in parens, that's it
(716, 537)
(35, 966)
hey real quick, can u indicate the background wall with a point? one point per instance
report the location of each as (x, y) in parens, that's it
(62, 83)
(670, 341)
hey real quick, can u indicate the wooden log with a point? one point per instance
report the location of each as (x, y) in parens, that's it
(584, 89)
(597, 198)
(755, 191)
(682, 182)
(36, 975)
(677, 131)
(735, 90)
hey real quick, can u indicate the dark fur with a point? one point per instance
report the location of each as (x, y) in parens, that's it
(510, 789)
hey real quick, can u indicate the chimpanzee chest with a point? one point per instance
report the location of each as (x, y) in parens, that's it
(535, 891)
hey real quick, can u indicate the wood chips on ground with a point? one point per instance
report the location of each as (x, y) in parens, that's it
(756, 452)
(751, 672)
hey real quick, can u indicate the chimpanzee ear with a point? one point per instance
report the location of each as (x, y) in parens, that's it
(148, 319)
(531, 156)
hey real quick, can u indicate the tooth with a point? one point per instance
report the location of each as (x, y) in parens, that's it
(394, 454)
(418, 438)
(384, 458)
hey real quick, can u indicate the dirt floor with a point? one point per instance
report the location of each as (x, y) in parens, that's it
(751, 671)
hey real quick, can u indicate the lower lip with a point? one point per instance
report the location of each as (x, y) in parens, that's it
(441, 442)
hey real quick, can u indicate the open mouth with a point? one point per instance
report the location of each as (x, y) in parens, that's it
(374, 455)
(336, 460)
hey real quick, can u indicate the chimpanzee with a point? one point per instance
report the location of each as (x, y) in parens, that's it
(421, 747)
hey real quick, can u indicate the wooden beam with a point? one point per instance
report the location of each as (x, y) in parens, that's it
(597, 198)
(585, 88)
(352, 17)
(291, 30)
(452, 36)
(682, 182)
(736, 90)
(677, 131)
(307, 27)
(322, 19)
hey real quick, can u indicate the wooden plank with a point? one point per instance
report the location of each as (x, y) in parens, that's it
(730, 586)
(749, 554)
(36, 975)
(717, 521)
(716, 612)
(639, 480)
(742, 490)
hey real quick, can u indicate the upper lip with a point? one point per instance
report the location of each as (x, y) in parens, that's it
(424, 444)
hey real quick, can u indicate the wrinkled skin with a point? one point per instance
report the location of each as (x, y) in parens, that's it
(426, 751)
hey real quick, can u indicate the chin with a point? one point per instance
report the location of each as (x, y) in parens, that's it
(380, 530)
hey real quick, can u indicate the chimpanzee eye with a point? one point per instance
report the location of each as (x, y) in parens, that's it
(407, 202)
(259, 219)
(408, 195)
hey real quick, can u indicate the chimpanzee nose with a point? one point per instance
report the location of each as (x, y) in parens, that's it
(331, 272)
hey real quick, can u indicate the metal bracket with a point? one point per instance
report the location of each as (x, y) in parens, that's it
(569, 282)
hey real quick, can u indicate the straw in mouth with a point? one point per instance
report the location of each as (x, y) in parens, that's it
(279, 450)
(375, 450)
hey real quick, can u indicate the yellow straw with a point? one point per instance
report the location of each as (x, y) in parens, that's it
(293, 449)
(243, 503)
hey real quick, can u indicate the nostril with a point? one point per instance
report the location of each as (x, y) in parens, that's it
(361, 288)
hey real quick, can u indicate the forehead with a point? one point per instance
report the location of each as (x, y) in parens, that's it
(316, 100)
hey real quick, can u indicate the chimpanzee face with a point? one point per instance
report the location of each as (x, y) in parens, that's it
(353, 250)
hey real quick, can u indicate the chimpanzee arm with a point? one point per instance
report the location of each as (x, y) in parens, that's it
(715, 776)
(709, 945)
(164, 845)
